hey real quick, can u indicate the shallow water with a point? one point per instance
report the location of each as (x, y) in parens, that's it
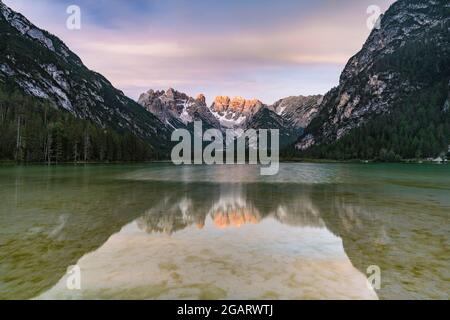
(224, 232)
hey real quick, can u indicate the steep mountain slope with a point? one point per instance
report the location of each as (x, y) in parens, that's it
(40, 65)
(298, 111)
(267, 119)
(400, 78)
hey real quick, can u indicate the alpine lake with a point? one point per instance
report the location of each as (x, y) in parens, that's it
(159, 231)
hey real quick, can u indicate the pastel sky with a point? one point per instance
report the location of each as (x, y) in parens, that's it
(262, 49)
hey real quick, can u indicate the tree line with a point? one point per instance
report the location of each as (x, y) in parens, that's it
(417, 128)
(32, 130)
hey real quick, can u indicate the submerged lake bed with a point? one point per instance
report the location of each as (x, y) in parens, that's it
(158, 231)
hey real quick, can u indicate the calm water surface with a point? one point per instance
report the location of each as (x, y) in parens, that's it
(157, 231)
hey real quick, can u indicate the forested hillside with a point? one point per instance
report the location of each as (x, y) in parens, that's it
(68, 106)
(415, 129)
(33, 130)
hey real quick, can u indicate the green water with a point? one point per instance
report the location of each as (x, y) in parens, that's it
(157, 231)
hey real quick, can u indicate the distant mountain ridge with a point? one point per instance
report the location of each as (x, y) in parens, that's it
(288, 115)
(177, 109)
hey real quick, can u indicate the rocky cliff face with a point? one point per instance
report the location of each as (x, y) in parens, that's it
(373, 81)
(233, 112)
(298, 111)
(178, 109)
(290, 115)
(267, 119)
(39, 64)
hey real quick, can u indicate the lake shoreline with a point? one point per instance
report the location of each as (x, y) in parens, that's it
(7, 163)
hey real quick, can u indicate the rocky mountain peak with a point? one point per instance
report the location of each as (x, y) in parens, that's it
(404, 21)
(235, 104)
(170, 93)
(233, 112)
(176, 108)
(200, 98)
(221, 103)
(291, 114)
(375, 79)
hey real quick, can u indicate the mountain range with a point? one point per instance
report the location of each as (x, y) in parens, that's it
(178, 110)
(392, 100)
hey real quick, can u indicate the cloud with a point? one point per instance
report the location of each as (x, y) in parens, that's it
(266, 48)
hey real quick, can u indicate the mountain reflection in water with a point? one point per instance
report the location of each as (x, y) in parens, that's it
(197, 239)
(225, 244)
(227, 206)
